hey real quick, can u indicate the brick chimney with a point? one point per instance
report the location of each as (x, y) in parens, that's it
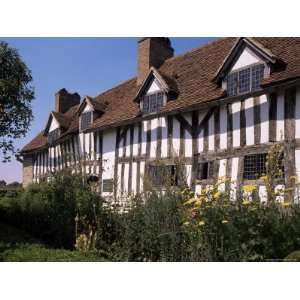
(64, 100)
(152, 52)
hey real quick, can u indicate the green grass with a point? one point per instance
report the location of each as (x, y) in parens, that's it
(17, 245)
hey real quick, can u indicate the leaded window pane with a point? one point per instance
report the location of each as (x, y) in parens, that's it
(160, 100)
(257, 76)
(53, 135)
(232, 80)
(244, 80)
(85, 120)
(255, 166)
(152, 103)
(146, 104)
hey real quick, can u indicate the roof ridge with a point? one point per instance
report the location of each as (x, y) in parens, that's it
(197, 48)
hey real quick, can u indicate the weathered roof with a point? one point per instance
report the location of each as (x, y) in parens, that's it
(192, 74)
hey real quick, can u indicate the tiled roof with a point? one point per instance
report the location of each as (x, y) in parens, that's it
(192, 73)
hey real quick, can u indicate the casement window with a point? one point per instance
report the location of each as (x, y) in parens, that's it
(85, 120)
(153, 103)
(245, 80)
(255, 166)
(164, 175)
(107, 185)
(53, 135)
(205, 170)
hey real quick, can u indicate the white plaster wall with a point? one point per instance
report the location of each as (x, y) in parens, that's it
(135, 147)
(54, 124)
(188, 170)
(119, 174)
(246, 58)
(127, 147)
(211, 133)
(222, 174)
(223, 127)
(297, 163)
(87, 108)
(126, 176)
(234, 175)
(176, 137)
(154, 87)
(109, 141)
(188, 138)
(144, 137)
(249, 113)
(153, 144)
(201, 134)
(264, 119)
(297, 114)
(236, 108)
(164, 136)
(134, 177)
(280, 116)
(142, 173)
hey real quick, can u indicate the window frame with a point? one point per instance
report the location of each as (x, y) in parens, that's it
(209, 170)
(237, 84)
(158, 107)
(110, 183)
(91, 120)
(53, 136)
(159, 183)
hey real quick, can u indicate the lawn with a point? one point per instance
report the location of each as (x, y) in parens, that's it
(17, 245)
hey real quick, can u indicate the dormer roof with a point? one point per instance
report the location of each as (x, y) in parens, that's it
(240, 44)
(166, 84)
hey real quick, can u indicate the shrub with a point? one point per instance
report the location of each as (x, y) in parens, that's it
(48, 210)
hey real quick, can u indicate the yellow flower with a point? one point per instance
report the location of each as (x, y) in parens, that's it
(217, 195)
(286, 204)
(190, 201)
(201, 223)
(224, 222)
(249, 188)
(186, 223)
(246, 202)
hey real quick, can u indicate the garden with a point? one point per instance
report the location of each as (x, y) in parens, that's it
(65, 220)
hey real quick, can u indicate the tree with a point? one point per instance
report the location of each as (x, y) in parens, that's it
(2, 183)
(16, 95)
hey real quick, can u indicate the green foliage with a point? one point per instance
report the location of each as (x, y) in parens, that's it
(16, 95)
(17, 245)
(48, 210)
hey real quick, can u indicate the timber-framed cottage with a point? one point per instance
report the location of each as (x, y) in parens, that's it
(219, 108)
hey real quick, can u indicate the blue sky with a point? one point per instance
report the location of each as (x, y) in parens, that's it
(84, 65)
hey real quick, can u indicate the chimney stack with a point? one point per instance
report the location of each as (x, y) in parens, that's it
(64, 100)
(152, 52)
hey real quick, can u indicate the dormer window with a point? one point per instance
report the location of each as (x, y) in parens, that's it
(85, 120)
(53, 135)
(245, 80)
(153, 103)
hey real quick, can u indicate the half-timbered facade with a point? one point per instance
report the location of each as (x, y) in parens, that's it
(218, 109)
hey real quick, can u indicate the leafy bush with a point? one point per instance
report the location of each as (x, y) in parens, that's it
(48, 210)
